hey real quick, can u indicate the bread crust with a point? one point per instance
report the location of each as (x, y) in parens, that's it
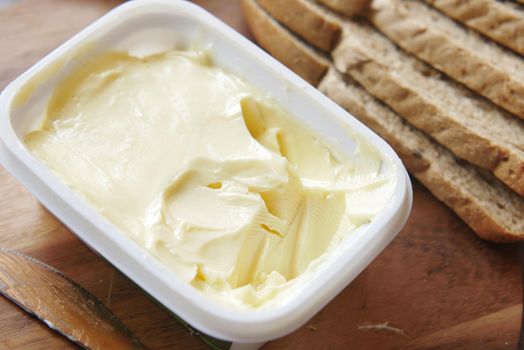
(501, 22)
(347, 7)
(269, 34)
(304, 20)
(442, 43)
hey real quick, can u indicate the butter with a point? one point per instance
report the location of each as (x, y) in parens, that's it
(207, 173)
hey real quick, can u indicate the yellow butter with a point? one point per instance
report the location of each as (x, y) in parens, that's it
(207, 173)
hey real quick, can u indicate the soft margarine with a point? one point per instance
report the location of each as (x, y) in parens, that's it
(204, 171)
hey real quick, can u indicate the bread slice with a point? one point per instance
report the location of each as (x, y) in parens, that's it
(306, 21)
(493, 211)
(489, 208)
(471, 127)
(500, 21)
(347, 7)
(478, 63)
(268, 34)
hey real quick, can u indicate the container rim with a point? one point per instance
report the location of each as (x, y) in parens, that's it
(199, 311)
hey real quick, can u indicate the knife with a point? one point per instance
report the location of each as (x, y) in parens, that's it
(61, 303)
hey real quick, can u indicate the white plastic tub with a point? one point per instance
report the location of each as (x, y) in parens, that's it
(157, 25)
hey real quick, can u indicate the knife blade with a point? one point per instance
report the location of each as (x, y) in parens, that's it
(61, 303)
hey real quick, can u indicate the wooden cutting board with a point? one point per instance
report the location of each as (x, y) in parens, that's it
(436, 286)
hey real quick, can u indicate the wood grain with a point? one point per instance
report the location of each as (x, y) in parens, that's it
(437, 282)
(482, 332)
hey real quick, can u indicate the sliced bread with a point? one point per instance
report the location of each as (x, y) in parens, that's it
(471, 127)
(493, 211)
(307, 21)
(464, 55)
(489, 208)
(500, 21)
(268, 33)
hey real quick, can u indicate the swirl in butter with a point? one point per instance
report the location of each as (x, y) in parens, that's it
(207, 173)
